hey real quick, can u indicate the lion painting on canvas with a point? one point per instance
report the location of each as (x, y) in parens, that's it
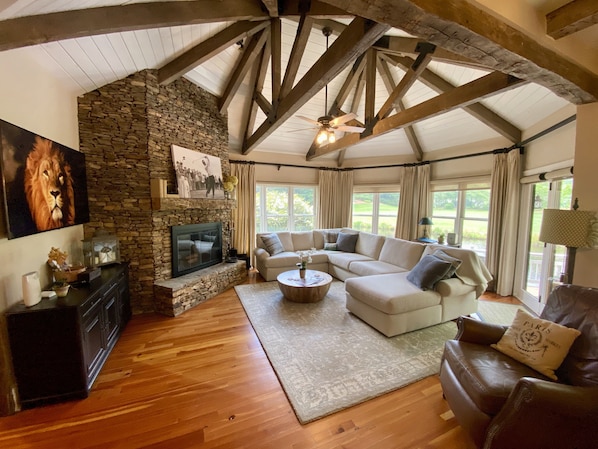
(49, 186)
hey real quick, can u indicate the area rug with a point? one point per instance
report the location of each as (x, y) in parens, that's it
(327, 359)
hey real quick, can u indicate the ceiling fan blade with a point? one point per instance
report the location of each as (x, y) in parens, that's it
(350, 129)
(313, 128)
(343, 119)
(314, 122)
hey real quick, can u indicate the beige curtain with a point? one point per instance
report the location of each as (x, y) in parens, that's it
(244, 213)
(414, 200)
(336, 198)
(503, 221)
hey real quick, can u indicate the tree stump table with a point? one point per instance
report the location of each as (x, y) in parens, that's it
(312, 288)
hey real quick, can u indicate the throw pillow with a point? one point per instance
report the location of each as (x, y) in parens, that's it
(330, 246)
(346, 242)
(540, 344)
(456, 263)
(331, 236)
(273, 244)
(428, 271)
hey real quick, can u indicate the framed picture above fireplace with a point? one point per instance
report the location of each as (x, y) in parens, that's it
(44, 182)
(198, 175)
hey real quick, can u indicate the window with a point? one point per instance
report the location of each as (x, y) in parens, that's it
(375, 212)
(285, 208)
(462, 208)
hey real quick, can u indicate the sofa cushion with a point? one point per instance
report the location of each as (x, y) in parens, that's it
(272, 244)
(368, 268)
(456, 263)
(285, 259)
(344, 260)
(346, 242)
(330, 246)
(369, 244)
(428, 271)
(390, 293)
(540, 344)
(303, 240)
(453, 287)
(402, 253)
(476, 366)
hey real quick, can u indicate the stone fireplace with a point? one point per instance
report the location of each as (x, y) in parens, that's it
(126, 130)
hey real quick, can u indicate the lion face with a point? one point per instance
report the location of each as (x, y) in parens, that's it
(49, 186)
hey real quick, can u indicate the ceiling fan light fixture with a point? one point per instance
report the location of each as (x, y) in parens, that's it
(322, 137)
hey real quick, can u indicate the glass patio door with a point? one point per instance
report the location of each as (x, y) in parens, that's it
(544, 263)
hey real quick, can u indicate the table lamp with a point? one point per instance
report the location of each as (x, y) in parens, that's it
(571, 228)
(426, 222)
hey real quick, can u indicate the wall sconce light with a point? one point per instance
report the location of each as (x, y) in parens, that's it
(571, 228)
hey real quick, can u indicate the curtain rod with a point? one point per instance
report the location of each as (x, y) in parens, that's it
(519, 146)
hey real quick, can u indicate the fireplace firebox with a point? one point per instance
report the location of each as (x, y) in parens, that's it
(195, 246)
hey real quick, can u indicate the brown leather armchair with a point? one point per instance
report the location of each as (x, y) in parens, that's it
(504, 404)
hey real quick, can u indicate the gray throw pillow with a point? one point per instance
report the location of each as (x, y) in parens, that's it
(346, 242)
(428, 271)
(273, 244)
(456, 263)
(331, 236)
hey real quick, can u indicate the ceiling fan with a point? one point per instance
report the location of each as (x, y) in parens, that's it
(328, 124)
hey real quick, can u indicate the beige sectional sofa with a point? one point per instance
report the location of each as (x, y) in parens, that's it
(382, 275)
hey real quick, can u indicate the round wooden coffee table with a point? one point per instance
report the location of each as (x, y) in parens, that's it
(311, 289)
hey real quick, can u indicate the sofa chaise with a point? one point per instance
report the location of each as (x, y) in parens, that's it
(386, 281)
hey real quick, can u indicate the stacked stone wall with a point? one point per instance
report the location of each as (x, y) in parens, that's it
(126, 131)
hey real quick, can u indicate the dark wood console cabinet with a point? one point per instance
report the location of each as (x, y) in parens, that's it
(59, 345)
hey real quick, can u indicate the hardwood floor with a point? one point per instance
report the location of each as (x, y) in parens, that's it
(202, 380)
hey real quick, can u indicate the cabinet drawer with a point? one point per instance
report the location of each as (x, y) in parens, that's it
(90, 303)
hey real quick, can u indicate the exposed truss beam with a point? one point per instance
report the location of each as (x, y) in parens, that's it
(402, 46)
(491, 84)
(32, 30)
(303, 31)
(208, 48)
(387, 78)
(359, 88)
(272, 7)
(276, 63)
(477, 110)
(571, 18)
(462, 27)
(252, 49)
(258, 84)
(355, 40)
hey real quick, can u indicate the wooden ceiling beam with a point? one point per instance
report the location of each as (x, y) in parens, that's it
(39, 29)
(303, 32)
(276, 61)
(359, 88)
(317, 9)
(480, 88)
(370, 86)
(571, 18)
(387, 78)
(409, 78)
(257, 86)
(271, 6)
(402, 46)
(477, 110)
(208, 48)
(354, 41)
(251, 50)
(464, 28)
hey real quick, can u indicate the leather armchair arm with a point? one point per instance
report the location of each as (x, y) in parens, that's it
(540, 414)
(474, 331)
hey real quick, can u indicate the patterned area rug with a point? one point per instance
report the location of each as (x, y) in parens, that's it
(327, 360)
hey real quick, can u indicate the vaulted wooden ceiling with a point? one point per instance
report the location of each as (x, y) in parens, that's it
(409, 69)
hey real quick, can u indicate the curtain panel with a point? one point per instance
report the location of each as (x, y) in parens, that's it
(244, 214)
(503, 220)
(414, 200)
(336, 198)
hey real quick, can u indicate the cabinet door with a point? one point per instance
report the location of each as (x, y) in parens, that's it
(111, 312)
(93, 340)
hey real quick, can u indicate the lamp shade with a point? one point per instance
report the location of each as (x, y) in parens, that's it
(572, 228)
(426, 221)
